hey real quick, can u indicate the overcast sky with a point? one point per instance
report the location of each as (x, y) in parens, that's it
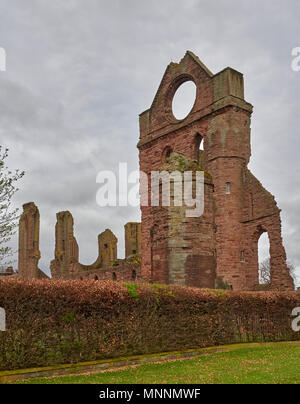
(80, 71)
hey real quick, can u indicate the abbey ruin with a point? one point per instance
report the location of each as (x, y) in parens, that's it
(175, 249)
(65, 264)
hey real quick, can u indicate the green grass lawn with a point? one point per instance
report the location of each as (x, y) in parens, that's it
(263, 363)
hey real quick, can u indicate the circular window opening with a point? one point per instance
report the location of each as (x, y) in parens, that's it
(184, 99)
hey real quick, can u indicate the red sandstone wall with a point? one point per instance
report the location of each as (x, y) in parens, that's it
(260, 215)
(222, 118)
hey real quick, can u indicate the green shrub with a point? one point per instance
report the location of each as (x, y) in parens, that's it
(220, 283)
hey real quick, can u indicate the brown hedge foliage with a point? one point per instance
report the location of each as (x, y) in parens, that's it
(53, 322)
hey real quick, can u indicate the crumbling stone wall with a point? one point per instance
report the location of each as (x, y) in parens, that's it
(237, 207)
(8, 272)
(107, 242)
(66, 264)
(132, 238)
(261, 214)
(122, 270)
(29, 233)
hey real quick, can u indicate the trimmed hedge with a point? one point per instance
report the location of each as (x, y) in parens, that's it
(55, 322)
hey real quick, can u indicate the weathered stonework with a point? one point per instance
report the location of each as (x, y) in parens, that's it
(9, 271)
(223, 241)
(107, 242)
(132, 238)
(182, 248)
(66, 263)
(29, 253)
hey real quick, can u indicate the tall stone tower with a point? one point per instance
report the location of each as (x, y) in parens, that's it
(107, 242)
(66, 247)
(132, 238)
(223, 241)
(29, 234)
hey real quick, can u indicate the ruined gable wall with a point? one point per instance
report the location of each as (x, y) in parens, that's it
(222, 118)
(261, 214)
(159, 130)
(217, 96)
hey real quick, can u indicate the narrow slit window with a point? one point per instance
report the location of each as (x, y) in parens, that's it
(242, 256)
(227, 188)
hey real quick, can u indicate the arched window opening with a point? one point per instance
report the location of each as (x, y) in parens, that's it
(242, 256)
(133, 275)
(264, 264)
(166, 153)
(96, 278)
(114, 276)
(199, 148)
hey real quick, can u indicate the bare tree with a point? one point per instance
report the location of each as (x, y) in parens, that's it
(8, 215)
(265, 272)
(292, 269)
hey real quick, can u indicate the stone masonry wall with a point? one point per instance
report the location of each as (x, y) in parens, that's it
(29, 253)
(242, 208)
(132, 238)
(65, 264)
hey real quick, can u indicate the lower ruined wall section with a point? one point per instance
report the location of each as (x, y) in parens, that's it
(262, 215)
(279, 272)
(122, 270)
(65, 264)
